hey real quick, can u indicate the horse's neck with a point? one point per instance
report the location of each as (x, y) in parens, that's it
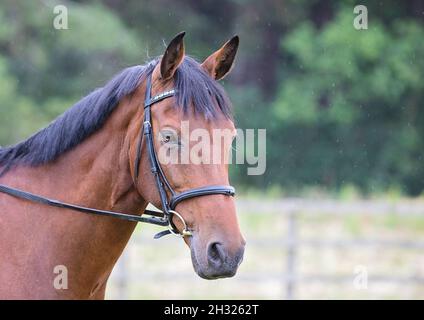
(94, 174)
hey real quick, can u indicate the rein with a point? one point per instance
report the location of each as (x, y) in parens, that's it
(161, 218)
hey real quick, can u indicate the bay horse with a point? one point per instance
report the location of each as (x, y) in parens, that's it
(89, 157)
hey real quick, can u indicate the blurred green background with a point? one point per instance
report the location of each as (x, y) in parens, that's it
(342, 107)
(344, 114)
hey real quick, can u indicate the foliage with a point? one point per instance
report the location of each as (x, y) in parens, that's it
(355, 97)
(342, 107)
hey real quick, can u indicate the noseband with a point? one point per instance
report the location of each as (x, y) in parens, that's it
(162, 218)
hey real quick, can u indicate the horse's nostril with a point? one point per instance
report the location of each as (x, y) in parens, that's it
(216, 254)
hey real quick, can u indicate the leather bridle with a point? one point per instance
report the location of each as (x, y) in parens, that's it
(162, 218)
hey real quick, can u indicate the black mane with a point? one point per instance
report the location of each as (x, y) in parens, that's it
(88, 115)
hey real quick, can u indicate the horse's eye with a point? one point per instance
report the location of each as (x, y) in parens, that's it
(168, 136)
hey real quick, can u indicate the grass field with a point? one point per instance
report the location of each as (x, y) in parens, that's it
(330, 244)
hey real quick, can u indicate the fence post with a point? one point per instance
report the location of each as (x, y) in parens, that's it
(291, 254)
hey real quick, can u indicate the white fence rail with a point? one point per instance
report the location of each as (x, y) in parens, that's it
(289, 243)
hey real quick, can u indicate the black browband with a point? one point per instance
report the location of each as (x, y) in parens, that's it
(161, 218)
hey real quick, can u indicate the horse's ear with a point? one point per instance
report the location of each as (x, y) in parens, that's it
(173, 56)
(219, 64)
